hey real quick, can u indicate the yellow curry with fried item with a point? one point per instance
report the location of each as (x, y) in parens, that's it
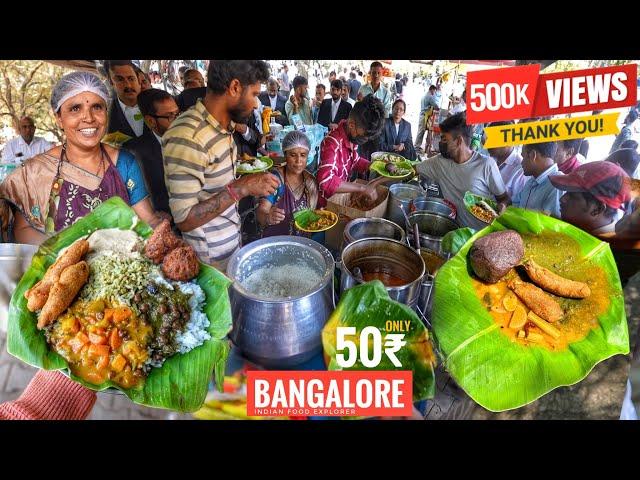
(561, 254)
(103, 341)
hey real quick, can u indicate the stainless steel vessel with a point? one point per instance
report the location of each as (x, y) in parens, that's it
(383, 255)
(432, 205)
(400, 196)
(433, 227)
(371, 227)
(280, 332)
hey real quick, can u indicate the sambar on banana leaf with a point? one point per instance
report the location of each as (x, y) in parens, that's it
(182, 382)
(500, 371)
(369, 304)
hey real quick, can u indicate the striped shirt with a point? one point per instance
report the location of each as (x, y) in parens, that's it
(198, 163)
(338, 160)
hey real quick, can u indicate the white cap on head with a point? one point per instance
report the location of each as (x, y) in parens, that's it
(75, 83)
(295, 139)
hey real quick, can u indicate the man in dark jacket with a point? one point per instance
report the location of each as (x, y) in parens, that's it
(248, 136)
(124, 114)
(159, 110)
(188, 98)
(334, 109)
(271, 98)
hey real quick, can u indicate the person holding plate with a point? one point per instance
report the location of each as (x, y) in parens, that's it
(56, 188)
(396, 137)
(298, 189)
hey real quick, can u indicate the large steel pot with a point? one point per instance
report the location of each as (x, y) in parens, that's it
(280, 332)
(433, 205)
(400, 197)
(15, 259)
(383, 255)
(432, 227)
(371, 227)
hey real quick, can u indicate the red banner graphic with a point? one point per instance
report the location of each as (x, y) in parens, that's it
(329, 393)
(521, 92)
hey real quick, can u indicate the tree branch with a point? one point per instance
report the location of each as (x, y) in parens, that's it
(25, 84)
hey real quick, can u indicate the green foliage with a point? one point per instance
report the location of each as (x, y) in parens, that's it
(25, 89)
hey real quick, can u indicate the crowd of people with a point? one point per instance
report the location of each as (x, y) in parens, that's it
(178, 160)
(179, 157)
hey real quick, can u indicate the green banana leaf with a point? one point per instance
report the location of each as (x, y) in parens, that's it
(182, 382)
(379, 167)
(500, 374)
(369, 305)
(305, 216)
(454, 240)
(470, 199)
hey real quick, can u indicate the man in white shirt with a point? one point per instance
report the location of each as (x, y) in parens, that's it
(346, 94)
(124, 116)
(377, 89)
(283, 80)
(509, 163)
(26, 145)
(458, 105)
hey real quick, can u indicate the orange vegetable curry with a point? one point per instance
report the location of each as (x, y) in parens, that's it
(102, 341)
(561, 254)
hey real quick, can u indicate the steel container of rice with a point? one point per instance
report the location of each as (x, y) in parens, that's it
(278, 330)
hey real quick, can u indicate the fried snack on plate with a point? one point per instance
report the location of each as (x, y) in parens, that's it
(161, 242)
(181, 264)
(37, 295)
(551, 282)
(71, 280)
(537, 300)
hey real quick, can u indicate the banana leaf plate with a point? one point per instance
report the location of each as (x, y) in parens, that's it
(379, 167)
(303, 218)
(391, 157)
(496, 372)
(470, 199)
(182, 382)
(242, 171)
(369, 304)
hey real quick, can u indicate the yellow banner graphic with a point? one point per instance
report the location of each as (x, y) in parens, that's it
(552, 130)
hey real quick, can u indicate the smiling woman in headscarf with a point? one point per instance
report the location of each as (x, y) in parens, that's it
(56, 188)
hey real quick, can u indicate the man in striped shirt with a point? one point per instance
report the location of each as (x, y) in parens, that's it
(199, 157)
(339, 157)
